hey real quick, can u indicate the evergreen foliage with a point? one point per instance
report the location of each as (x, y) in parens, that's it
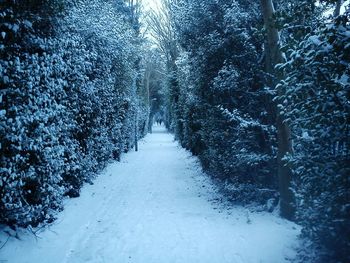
(221, 115)
(224, 105)
(316, 104)
(69, 100)
(78, 86)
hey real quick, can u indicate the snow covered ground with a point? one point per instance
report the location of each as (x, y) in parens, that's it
(154, 206)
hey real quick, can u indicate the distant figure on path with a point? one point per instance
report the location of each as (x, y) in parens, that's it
(159, 121)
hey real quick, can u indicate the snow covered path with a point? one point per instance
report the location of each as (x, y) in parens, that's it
(154, 206)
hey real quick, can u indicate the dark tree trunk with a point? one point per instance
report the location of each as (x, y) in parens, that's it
(337, 8)
(273, 57)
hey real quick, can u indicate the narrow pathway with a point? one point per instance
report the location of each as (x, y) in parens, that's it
(154, 206)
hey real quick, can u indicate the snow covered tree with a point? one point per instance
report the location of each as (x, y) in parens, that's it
(154, 82)
(218, 76)
(69, 98)
(316, 106)
(32, 119)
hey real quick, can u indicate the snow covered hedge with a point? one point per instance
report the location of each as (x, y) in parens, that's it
(68, 100)
(316, 104)
(220, 111)
(223, 108)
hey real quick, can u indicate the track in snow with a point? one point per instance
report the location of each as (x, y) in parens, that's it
(153, 207)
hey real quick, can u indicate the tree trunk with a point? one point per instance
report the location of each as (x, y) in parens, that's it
(147, 96)
(136, 132)
(274, 56)
(337, 8)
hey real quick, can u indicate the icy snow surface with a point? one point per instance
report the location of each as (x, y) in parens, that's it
(155, 206)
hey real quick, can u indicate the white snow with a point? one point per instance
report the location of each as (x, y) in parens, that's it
(155, 206)
(315, 40)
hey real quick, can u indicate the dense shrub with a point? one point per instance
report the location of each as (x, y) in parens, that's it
(69, 100)
(316, 104)
(221, 114)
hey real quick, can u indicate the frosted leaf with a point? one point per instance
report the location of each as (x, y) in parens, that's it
(315, 40)
(344, 79)
(27, 23)
(15, 28)
(6, 79)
